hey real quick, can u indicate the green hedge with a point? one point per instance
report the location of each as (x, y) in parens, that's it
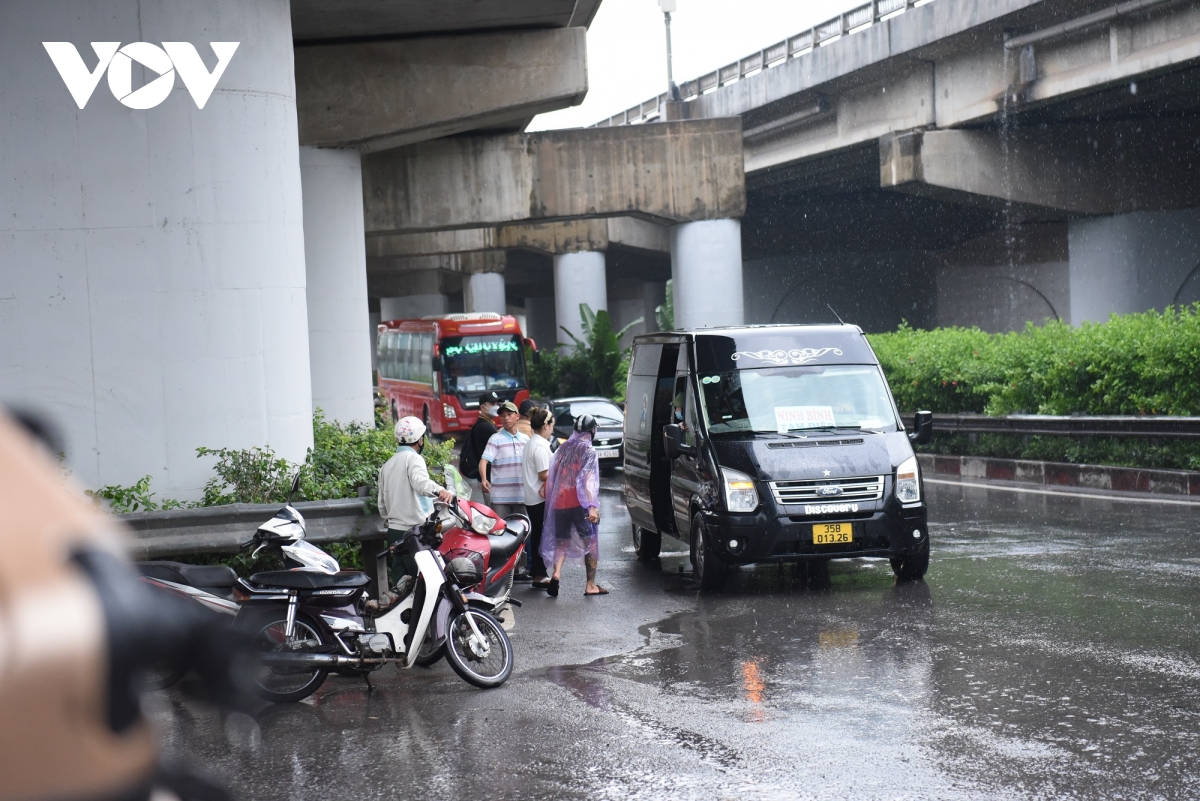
(1146, 363)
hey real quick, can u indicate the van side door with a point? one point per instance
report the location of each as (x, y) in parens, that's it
(687, 471)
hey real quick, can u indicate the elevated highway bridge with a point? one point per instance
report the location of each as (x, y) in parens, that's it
(984, 162)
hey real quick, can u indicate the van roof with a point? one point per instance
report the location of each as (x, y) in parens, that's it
(733, 330)
(750, 346)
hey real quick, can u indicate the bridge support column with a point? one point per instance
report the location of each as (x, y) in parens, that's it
(578, 278)
(412, 307)
(484, 292)
(152, 281)
(1133, 262)
(706, 273)
(336, 267)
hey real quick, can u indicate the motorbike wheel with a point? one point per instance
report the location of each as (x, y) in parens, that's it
(164, 675)
(484, 664)
(430, 653)
(277, 684)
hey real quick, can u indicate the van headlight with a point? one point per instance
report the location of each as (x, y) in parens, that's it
(740, 495)
(908, 481)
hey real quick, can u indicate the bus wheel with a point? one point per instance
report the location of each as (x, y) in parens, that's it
(425, 417)
(395, 414)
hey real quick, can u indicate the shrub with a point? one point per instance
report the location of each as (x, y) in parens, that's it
(135, 498)
(596, 366)
(1133, 364)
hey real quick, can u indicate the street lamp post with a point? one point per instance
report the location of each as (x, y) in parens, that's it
(667, 7)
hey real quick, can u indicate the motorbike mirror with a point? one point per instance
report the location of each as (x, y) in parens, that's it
(295, 485)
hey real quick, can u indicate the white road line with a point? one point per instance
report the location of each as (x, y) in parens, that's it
(1165, 501)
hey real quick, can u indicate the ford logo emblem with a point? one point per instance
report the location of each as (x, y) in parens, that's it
(828, 492)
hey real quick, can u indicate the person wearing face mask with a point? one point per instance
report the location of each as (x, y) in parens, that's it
(475, 443)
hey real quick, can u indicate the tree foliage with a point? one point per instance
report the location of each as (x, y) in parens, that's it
(596, 364)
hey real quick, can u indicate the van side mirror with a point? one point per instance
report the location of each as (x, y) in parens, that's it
(922, 431)
(672, 436)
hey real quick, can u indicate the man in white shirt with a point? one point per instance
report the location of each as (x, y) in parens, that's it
(535, 468)
(406, 493)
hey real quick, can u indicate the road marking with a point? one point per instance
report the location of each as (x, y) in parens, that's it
(1166, 501)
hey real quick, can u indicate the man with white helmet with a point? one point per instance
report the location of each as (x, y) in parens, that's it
(406, 491)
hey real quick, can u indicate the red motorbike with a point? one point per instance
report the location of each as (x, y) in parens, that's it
(494, 545)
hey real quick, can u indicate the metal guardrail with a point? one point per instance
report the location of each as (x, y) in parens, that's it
(1075, 426)
(222, 529)
(852, 21)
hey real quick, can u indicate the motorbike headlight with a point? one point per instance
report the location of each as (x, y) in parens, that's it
(740, 495)
(481, 523)
(908, 481)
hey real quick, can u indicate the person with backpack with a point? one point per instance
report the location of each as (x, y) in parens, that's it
(475, 443)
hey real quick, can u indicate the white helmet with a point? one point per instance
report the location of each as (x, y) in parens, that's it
(409, 430)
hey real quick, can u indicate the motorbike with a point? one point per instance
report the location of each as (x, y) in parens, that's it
(307, 623)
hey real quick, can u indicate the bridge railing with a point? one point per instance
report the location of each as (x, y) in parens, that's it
(852, 21)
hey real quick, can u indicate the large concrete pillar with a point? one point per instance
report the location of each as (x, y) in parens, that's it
(152, 284)
(484, 292)
(654, 294)
(1132, 262)
(413, 307)
(336, 265)
(706, 273)
(539, 316)
(578, 278)
(373, 333)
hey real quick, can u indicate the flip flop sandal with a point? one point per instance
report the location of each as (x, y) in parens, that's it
(552, 588)
(600, 591)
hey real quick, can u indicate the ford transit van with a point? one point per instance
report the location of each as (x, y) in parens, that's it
(771, 444)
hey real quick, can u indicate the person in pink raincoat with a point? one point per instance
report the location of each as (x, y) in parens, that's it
(573, 507)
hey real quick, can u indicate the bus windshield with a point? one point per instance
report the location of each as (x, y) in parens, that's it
(481, 363)
(784, 399)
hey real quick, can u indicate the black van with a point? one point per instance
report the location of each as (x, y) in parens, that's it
(771, 444)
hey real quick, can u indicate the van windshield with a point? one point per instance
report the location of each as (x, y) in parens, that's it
(784, 399)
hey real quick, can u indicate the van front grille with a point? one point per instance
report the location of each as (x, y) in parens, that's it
(841, 490)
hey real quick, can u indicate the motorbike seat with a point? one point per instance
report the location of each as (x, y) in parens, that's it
(310, 579)
(199, 576)
(503, 546)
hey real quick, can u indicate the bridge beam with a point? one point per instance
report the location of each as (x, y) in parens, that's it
(384, 94)
(568, 236)
(669, 173)
(1056, 170)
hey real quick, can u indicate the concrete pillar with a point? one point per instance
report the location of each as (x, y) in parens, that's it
(654, 294)
(1132, 262)
(623, 312)
(375, 318)
(484, 292)
(578, 278)
(413, 307)
(706, 273)
(152, 280)
(336, 265)
(539, 314)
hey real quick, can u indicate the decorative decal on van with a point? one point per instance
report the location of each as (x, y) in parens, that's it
(783, 358)
(829, 508)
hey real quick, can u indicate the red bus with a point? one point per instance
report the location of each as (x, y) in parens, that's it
(436, 368)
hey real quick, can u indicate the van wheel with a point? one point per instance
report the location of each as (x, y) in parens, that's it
(646, 543)
(710, 571)
(911, 567)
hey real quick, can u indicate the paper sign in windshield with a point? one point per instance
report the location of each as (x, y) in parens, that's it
(788, 418)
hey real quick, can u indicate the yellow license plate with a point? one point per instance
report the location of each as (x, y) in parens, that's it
(832, 533)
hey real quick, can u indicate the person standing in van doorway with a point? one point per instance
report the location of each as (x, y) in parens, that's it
(476, 440)
(536, 469)
(500, 467)
(573, 507)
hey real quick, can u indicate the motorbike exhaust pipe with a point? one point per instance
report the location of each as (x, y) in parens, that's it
(285, 659)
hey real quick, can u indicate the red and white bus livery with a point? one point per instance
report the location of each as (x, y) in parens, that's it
(436, 368)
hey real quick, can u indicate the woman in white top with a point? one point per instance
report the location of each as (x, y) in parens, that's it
(535, 468)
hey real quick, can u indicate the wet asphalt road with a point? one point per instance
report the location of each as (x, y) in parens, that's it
(1052, 652)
